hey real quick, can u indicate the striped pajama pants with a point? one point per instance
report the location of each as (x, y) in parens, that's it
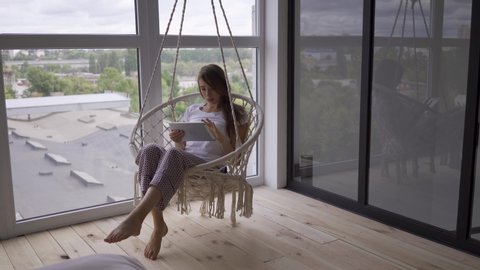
(163, 169)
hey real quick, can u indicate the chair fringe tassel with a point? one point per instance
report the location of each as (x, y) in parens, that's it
(136, 193)
(244, 202)
(214, 205)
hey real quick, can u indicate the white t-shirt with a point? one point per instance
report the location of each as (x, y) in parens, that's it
(207, 150)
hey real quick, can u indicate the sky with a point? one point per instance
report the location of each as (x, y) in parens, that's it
(117, 16)
(318, 17)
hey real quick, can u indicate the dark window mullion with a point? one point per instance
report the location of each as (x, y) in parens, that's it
(365, 99)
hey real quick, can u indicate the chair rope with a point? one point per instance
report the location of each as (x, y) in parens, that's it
(427, 31)
(172, 83)
(236, 50)
(157, 61)
(237, 137)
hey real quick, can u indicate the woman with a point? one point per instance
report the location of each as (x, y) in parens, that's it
(161, 171)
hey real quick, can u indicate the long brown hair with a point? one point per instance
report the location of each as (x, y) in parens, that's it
(214, 76)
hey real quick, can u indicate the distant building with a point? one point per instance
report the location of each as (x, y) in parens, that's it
(187, 82)
(319, 59)
(9, 77)
(37, 53)
(90, 77)
(74, 63)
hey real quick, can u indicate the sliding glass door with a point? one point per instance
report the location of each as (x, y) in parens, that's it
(327, 95)
(379, 112)
(418, 109)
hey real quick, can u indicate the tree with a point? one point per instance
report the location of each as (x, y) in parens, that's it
(102, 62)
(167, 85)
(77, 86)
(92, 64)
(110, 79)
(9, 93)
(113, 60)
(24, 68)
(5, 56)
(22, 56)
(133, 93)
(341, 63)
(130, 61)
(41, 81)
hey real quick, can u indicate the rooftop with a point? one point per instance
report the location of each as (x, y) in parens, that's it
(43, 186)
(38, 105)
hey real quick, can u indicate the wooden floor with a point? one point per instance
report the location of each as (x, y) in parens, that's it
(286, 231)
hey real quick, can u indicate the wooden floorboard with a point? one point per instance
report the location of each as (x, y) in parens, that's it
(286, 231)
(5, 262)
(47, 248)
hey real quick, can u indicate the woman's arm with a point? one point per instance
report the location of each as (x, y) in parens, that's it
(228, 144)
(219, 136)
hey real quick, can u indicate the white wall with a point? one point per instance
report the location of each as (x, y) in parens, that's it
(6, 196)
(275, 129)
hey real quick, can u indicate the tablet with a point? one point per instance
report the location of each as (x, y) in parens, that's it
(194, 131)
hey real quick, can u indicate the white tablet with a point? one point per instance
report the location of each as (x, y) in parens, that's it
(194, 131)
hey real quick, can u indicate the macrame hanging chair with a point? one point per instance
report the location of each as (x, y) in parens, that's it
(204, 182)
(408, 137)
(413, 4)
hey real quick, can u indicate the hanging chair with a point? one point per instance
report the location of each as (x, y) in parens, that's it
(413, 4)
(408, 137)
(210, 181)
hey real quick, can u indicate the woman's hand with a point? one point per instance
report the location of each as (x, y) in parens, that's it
(176, 135)
(217, 134)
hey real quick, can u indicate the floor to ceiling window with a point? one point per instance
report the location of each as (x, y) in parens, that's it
(73, 80)
(327, 95)
(71, 89)
(415, 76)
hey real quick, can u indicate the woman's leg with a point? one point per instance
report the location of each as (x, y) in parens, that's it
(170, 171)
(167, 179)
(148, 160)
(160, 187)
(160, 229)
(133, 223)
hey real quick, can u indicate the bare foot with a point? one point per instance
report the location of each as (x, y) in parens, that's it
(153, 246)
(127, 228)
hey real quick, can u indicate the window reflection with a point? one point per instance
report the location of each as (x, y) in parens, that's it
(330, 18)
(327, 95)
(418, 110)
